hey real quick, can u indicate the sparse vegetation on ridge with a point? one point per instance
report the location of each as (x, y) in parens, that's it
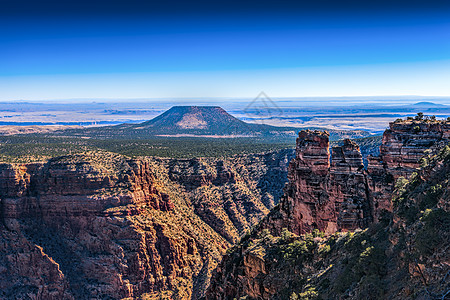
(38, 148)
(401, 257)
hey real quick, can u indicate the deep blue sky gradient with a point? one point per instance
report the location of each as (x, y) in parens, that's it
(81, 40)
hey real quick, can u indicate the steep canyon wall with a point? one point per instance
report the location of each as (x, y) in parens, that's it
(334, 192)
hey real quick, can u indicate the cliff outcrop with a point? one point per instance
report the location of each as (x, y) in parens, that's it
(403, 255)
(91, 223)
(333, 191)
(326, 191)
(403, 146)
(74, 186)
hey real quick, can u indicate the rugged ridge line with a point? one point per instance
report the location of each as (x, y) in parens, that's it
(71, 188)
(333, 192)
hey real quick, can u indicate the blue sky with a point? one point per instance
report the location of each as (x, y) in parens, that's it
(62, 52)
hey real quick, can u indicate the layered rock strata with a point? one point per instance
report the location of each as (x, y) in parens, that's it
(333, 192)
(100, 226)
(95, 227)
(75, 188)
(325, 192)
(404, 144)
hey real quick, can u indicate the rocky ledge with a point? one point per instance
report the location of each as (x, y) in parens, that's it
(78, 185)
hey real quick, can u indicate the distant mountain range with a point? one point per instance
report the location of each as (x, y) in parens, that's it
(429, 105)
(202, 121)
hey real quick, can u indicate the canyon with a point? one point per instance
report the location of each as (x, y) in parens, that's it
(98, 225)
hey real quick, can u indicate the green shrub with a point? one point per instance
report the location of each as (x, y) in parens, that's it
(318, 233)
(432, 197)
(293, 296)
(294, 251)
(423, 162)
(400, 185)
(435, 223)
(310, 293)
(298, 251)
(266, 236)
(325, 250)
(286, 235)
(444, 153)
(371, 261)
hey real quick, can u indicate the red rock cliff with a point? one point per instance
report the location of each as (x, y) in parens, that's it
(342, 195)
(93, 227)
(320, 195)
(71, 188)
(99, 226)
(404, 143)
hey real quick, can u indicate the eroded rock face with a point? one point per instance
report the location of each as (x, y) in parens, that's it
(339, 194)
(67, 188)
(403, 145)
(323, 195)
(306, 194)
(348, 187)
(82, 231)
(74, 228)
(25, 270)
(99, 226)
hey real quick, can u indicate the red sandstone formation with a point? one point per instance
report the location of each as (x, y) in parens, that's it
(320, 195)
(348, 187)
(403, 145)
(405, 142)
(99, 226)
(74, 228)
(306, 199)
(342, 195)
(71, 188)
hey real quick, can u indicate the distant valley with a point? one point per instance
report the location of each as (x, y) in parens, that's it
(336, 113)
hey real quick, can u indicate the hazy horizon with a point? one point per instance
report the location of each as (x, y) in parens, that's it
(308, 101)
